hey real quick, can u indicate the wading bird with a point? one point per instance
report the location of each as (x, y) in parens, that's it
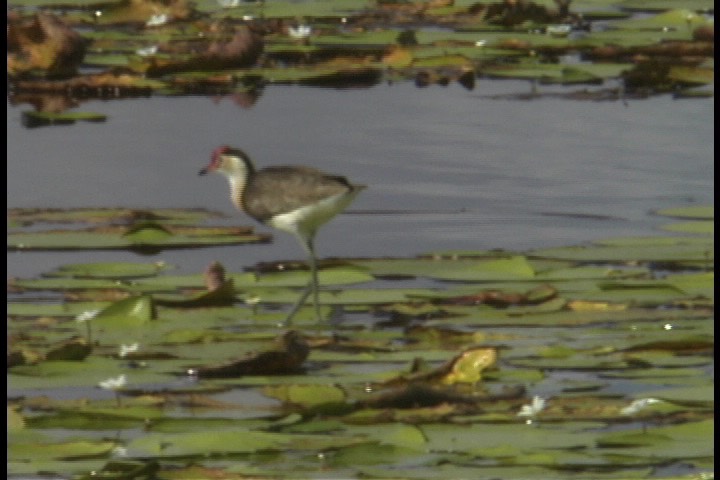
(294, 199)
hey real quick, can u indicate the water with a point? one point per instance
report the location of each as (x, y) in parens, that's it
(447, 168)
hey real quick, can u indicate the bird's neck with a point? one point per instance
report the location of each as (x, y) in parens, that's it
(237, 187)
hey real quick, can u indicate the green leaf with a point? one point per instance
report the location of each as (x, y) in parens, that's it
(695, 284)
(155, 237)
(494, 269)
(308, 396)
(637, 252)
(108, 270)
(33, 119)
(60, 451)
(132, 312)
(680, 19)
(700, 212)
(702, 227)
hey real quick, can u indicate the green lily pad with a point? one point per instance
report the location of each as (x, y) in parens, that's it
(108, 270)
(143, 237)
(30, 216)
(689, 440)
(696, 284)
(68, 284)
(307, 396)
(663, 5)
(680, 19)
(129, 313)
(224, 442)
(651, 252)
(703, 227)
(560, 74)
(579, 362)
(69, 309)
(704, 212)
(497, 269)
(686, 395)
(654, 241)
(692, 75)
(32, 119)
(60, 450)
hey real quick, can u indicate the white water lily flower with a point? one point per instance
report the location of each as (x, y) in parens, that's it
(86, 315)
(558, 30)
(302, 31)
(253, 300)
(157, 20)
(144, 52)
(537, 405)
(113, 383)
(481, 43)
(125, 349)
(638, 405)
(119, 451)
(228, 3)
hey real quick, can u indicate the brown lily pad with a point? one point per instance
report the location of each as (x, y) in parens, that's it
(239, 48)
(43, 44)
(498, 298)
(74, 349)
(286, 357)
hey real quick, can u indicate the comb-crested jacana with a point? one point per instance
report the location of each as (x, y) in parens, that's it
(295, 199)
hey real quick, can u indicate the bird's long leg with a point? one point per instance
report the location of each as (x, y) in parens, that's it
(298, 304)
(313, 284)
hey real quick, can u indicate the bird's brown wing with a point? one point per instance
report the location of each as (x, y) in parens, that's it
(277, 190)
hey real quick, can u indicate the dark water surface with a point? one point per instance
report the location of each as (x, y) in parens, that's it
(447, 168)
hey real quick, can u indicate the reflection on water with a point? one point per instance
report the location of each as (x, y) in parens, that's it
(447, 168)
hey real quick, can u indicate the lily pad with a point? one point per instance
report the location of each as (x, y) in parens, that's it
(679, 19)
(704, 212)
(145, 237)
(651, 252)
(42, 119)
(703, 227)
(496, 269)
(663, 5)
(308, 396)
(30, 216)
(108, 270)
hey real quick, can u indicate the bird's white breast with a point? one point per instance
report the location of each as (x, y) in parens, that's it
(304, 221)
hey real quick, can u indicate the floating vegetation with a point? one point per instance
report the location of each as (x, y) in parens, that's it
(137, 230)
(146, 47)
(506, 365)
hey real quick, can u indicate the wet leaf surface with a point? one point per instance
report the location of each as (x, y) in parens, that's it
(396, 380)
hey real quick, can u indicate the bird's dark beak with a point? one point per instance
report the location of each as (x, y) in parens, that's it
(204, 171)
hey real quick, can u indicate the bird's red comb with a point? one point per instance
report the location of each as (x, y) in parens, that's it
(220, 151)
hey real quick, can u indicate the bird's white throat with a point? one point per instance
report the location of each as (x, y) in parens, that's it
(237, 187)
